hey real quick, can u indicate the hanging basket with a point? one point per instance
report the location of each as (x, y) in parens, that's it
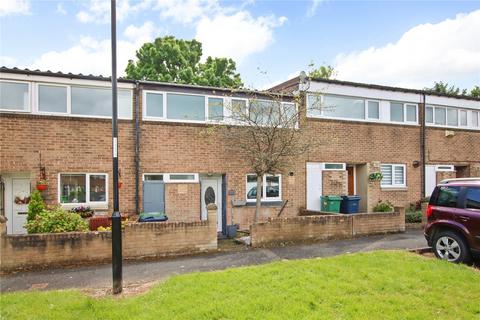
(42, 187)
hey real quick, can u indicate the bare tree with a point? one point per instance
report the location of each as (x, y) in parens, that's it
(267, 132)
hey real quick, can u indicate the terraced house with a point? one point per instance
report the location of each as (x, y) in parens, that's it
(58, 126)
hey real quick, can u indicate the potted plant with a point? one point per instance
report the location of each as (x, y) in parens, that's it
(42, 185)
(375, 176)
(84, 212)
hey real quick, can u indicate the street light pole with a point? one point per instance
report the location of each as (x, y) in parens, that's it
(116, 218)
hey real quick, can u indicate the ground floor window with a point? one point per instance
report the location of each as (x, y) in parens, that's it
(394, 175)
(271, 187)
(83, 188)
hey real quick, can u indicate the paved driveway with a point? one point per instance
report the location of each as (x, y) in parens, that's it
(100, 276)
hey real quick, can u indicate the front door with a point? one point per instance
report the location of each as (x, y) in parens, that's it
(351, 181)
(314, 185)
(153, 196)
(20, 196)
(212, 193)
(430, 180)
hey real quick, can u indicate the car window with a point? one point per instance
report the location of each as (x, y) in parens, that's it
(447, 196)
(473, 198)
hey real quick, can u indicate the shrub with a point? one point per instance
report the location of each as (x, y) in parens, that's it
(383, 206)
(84, 212)
(413, 216)
(35, 206)
(56, 220)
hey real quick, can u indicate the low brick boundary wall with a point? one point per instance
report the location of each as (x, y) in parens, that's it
(323, 227)
(151, 239)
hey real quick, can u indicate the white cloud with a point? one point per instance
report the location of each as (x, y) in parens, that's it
(98, 11)
(448, 50)
(225, 31)
(313, 7)
(94, 56)
(8, 7)
(60, 9)
(7, 61)
(237, 35)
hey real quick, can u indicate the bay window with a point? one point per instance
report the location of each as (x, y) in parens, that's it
(393, 175)
(270, 191)
(14, 96)
(83, 188)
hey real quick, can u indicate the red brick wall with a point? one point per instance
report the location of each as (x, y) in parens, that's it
(182, 201)
(334, 183)
(152, 239)
(67, 144)
(318, 227)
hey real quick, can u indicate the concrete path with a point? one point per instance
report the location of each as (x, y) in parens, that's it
(147, 271)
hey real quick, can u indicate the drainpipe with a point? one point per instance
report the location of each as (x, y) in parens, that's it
(422, 144)
(137, 148)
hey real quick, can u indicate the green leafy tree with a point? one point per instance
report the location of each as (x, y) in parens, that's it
(475, 92)
(322, 72)
(445, 88)
(218, 72)
(169, 59)
(35, 206)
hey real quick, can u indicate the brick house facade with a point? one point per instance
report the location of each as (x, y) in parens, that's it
(160, 152)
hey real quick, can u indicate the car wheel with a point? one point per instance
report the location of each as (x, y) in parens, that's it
(451, 246)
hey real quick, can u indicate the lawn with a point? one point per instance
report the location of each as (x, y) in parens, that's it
(376, 285)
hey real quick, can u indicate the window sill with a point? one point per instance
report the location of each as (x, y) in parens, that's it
(94, 206)
(278, 203)
(393, 189)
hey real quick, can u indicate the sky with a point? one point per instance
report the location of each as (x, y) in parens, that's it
(401, 43)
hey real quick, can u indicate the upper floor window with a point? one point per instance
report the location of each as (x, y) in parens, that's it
(393, 175)
(403, 112)
(61, 99)
(215, 109)
(356, 108)
(52, 98)
(14, 96)
(185, 107)
(451, 117)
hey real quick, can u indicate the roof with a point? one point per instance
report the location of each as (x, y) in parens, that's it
(295, 81)
(70, 75)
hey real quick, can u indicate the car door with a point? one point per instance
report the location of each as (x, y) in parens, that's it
(445, 202)
(469, 214)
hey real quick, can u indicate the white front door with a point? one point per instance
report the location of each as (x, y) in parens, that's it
(212, 193)
(20, 192)
(314, 185)
(430, 180)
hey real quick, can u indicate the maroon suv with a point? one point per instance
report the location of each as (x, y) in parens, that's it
(453, 213)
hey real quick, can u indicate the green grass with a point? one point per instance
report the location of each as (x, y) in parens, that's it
(376, 285)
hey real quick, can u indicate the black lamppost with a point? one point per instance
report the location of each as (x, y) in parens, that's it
(116, 218)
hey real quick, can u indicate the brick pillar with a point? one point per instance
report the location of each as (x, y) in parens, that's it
(212, 213)
(475, 170)
(401, 210)
(373, 186)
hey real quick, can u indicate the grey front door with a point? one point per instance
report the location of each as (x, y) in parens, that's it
(153, 196)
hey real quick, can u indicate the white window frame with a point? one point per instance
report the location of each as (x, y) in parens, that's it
(30, 93)
(207, 116)
(94, 204)
(433, 114)
(167, 177)
(153, 174)
(185, 94)
(98, 116)
(475, 114)
(264, 188)
(367, 115)
(405, 112)
(324, 166)
(145, 106)
(395, 185)
(444, 168)
(460, 111)
(469, 112)
(37, 99)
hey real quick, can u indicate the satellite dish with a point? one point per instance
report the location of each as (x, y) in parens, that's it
(303, 77)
